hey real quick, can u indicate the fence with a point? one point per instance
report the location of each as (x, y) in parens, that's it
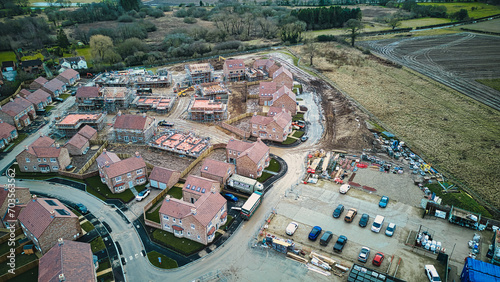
(78, 175)
(250, 83)
(6, 237)
(104, 144)
(253, 96)
(242, 116)
(195, 162)
(19, 271)
(6, 100)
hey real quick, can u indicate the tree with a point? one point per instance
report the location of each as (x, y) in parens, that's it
(393, 21)
(353, 27)
(292, 32)
(310, 50)
(99, 44)
(62, 39)
(128, 5)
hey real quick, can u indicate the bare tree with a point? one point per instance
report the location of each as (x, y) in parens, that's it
(310, 48)
(353, 27)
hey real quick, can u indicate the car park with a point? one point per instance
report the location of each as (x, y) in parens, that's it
(377, 223)
(340, 244)
(383, 202)
(291, 228)
(82, 208)
(325, 239)
(338, 211)
(344, 188)
(231, 197)
(378, 259)
(391, 228)
(315, 231)
(363, 221)
(364, 254)
(351, 214)
(431, 273)
(143, 194)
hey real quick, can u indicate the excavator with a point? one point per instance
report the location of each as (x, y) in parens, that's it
(183, 93)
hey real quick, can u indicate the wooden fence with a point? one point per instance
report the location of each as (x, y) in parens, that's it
(78, 175)
(253, 96)
(6, 100)
(249, 83)
(238, 131)
(6, 237)
(19, 271)
(104, 144)
(151, 223)
(242, 116)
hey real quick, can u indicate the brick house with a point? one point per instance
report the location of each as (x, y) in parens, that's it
(88, 132)
(250, 158)
(78, 145)
(122, 174)
(199, 73)
(285, 98)
(217, 170)
(163, 178)
(68, 261)
(205, 110)
(268, 65)
(21, 197)
(234, 70)
(54, 87)
(88, 98)
(274, 128)
(39, 98)
(266, 91)
(18, 112)
(133, 128)
(73, 122)
(43, 155)
(31, 66)
(75, 63)
(45, 220)
(283, 77)
(69, 77)
(8, 66)
(8, 133)
(38, 83)
(196, 221)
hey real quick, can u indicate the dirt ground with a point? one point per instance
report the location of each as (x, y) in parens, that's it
(218, 155)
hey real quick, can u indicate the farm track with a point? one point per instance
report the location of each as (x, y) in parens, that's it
(421, 61)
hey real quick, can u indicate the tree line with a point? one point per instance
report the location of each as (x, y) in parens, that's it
(322, 18)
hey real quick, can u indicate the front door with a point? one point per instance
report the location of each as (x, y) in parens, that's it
(130, 184)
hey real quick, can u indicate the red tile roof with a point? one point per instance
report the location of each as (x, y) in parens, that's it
(37, 216)
(282, 70)
(78, 141)
(16, 106)
(4, 192)
(109, 157)
(54, 84)
(235, 64)
(24, 93)
(261, 120)
(125, 166)
(256, 152)
(87, 132)
(41, 80)
(238, 145)
(283, 119)
(199, 182)
(161, 174)
(47, 152)
(38, 96)
(267, 87)
(43, 141)
(132, 122)
(283, 90)
(215, 167)
(69, 74)
(6, 130)
(73, 259)
(87, 92)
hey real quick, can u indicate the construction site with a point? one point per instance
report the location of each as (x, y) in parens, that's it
(181, 143)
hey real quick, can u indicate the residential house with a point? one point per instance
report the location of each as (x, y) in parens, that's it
(199, 73)
(122, 174)
(11, 197)
(38, 83)
(266, 91)
(8, 133)
(252, 74)
(87, 98)
(40, 99)
(197, 221)
(106, 158)
(196, 186)
(69, 77)
(250, 158)
(73, 122)
(268, 65)
(54, 87)
(45, 220)
(88, 132)
(214, 91)
(31, 66)
(76, 63)
(116, 98)
(43, 155)
(68, 261)
(8, 66)
(133, 128)
(275, 128)
(24, 93)
(163, 178)
(283, 77)
(284, 97)
(78, 145)
(217, 170)
(19, 112)
(159, 104)
(234, 70)
(8, 72)
(205, 110)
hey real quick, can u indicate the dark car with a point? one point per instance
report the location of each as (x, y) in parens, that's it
(73, 93)
(231, 197)
(338, 211)
(341, 241)
(58, 99)
(378, 259)
(165, 123)
(363, 221)
(81, 208)
(325, 239)
(315, 231)
(383, 202)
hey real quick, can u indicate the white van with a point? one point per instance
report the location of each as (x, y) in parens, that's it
(431, 272)
(377, 223)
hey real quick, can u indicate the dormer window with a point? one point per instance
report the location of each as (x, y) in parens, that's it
(206, 168)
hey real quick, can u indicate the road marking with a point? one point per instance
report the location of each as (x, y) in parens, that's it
(131, 258)
(136, 255)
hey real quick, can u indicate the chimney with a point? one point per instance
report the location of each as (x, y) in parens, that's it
(167, 199)
(12, 100)
(26, 147)
(57, 146)
(60, 241)
(193, 211)
(104, 151)
(52, 213)
(106, 164)
(137, 155)
(34, 198)
(119, 113)
(212, 190)
(61, 277)
(143, 115)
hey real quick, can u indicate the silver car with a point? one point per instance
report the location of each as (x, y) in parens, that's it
(391, 228)
(364, 254)
(290, 229)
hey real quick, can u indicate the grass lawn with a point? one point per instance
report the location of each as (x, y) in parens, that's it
(97, 244)
(274, 165)
(7, 56)
(298, 133)
(40, 176)
(87, 226)
(154, 215)
(181, 245)
(461, 200)
(19, 139)
(108, 277)
(31, 275)
(175, 192)
(64, 96)
(166, 262)
(48, 108)
(4, 247)
(101, 190)
(103, 265)
(423, 22)
(289, 141)
(34, 57)
(86, 52)
(299, 99)
(230, 220)
(265, 176)
(493, 83)
(20, 261)
(298, 117)
(481, 9)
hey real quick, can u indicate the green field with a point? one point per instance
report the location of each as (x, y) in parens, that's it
(488, 26)
(423, 22)
(480, 9)
(166, 262)
(85, 52)
(7, 56)
(493, 83)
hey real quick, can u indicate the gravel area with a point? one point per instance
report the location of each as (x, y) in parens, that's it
(218, 154)
(79, 161)
(243, 123)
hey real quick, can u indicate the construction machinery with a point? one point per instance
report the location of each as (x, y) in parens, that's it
(183, 93)
(220, 57)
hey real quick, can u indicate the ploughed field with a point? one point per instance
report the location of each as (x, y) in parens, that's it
(455, 60)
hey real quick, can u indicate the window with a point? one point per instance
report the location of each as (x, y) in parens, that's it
(118, 179)
(139, 171)
(180, 221)
(206, 168)
(222, 209)
(125, 138)
(192, 226)
(165, 217)
(203, 190)
(39, 160)
(51, 203)
(27, 160)
(167, 226)
(134, 139)
(199, 237)
(274, 129)
(187, 186)
(44, 160)
(189, 233)
(173, 219)
(129, 175)
(55, 168)
(193, 188)
(25, 168)
(230, 152)
(141, 180)
(53, 160)
(62, 212)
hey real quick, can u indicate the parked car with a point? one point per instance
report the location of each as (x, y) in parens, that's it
(383, 202)
(69, 167)
(431, 272)
(143, 194)
(344, 188)
(59, 99)
(338, 211)
(315, 231)
(82, 208)
(231, 197)
(378, 259)
(291, 228)
(351, 214)
(73, 93)
(165, 123)
(341, 241)
(389, 231)
(363, 221)
(304, 138)
(364, 254)
(378, 223)
(325, 239)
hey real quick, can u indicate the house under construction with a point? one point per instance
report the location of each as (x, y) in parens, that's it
(205, 110)
(184, 143)
(70, 124)
(199, 73)
(139, 78)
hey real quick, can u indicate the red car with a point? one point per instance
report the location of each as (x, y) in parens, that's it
(378, 259)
